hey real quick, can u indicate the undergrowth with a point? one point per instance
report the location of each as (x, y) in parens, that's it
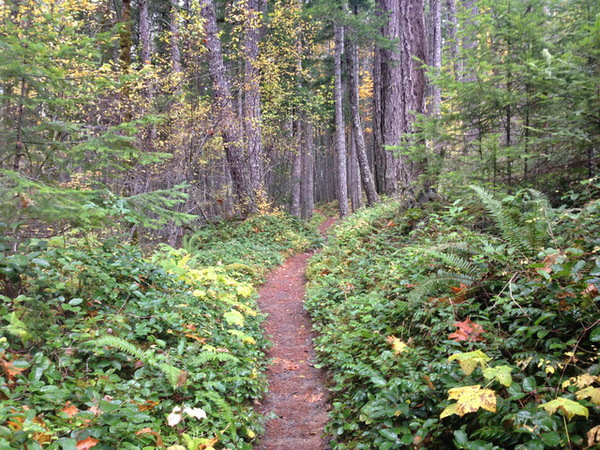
(103, 347)
(472, 325)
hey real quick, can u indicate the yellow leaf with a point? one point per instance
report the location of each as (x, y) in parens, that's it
(470, 360)
(591, 392)
(398, 346)
(568, 407)
(470, 399)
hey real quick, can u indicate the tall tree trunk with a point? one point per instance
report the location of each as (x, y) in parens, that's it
(378, 150)
(414, 83)
(230, 126)
(144, 31)
(125, 36)
(391, 96)
(357, 130)
(452, 37)
(340, 135)
(435, 54)
(295, 208)
(252, 103)
(174, 38)
(308, 170)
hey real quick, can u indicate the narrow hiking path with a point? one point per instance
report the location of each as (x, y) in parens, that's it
(297, 395)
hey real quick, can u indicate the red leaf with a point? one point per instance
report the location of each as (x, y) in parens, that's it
(467, 331)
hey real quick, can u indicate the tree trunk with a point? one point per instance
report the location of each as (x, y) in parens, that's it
(308, 170)
(252, 103)
(378, 150)
(144, 32)
(230, 126)
(435, 54)
(125, 36)
(357, 130)
(452, 37)
(340, 138)
(295, 208)
(174, 38)
(414, 83)
(391, 97)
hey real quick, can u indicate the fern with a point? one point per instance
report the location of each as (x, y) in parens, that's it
(528, 234)
(206, 357)
(508, 226)
(441, 281)
(174, 375)
(456, 262)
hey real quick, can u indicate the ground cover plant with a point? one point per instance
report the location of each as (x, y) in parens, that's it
(102, 346)
(470, 325)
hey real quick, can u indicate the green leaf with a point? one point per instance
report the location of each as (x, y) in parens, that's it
(568, 407)
(595, 334)
(500, 373)
(234, 317)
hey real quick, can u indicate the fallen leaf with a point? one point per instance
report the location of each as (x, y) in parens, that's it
(87, 443)
(398, 346)
(148, 405)
(593, 436)
(159, 441)
(198, 413)
(70, 409)
(467, 331)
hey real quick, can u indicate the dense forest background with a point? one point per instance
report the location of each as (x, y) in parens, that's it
(162, 113)
(159, 157)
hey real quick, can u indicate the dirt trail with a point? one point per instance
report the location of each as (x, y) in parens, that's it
(297, 394)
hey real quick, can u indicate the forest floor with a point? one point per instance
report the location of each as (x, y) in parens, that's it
(297, 396)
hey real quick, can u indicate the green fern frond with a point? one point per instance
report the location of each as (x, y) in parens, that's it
(509, 228)
(206, 357)
(124, 346)
(173, 374)
(456, 262)
(221, 404)
(442, 280)
(148, 357)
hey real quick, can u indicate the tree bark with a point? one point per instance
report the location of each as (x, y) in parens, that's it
(378, 150)
(125, 36)
(252, 102)
(231, 129)
(435, 54)
(295, 208)
(144, 32)
(357, 130)
(340, 138)
(308, 170)
(391, 96)
(174, 38)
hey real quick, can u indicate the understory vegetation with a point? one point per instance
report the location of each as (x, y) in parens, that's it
(102, 346)
(473, 325)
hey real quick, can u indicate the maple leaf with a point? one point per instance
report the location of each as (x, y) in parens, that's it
(469, 399)
(568, 407)
(467, 331)
(398, 346)
(591, 392)
(593, 436)
(470, 360)
(87, 443)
